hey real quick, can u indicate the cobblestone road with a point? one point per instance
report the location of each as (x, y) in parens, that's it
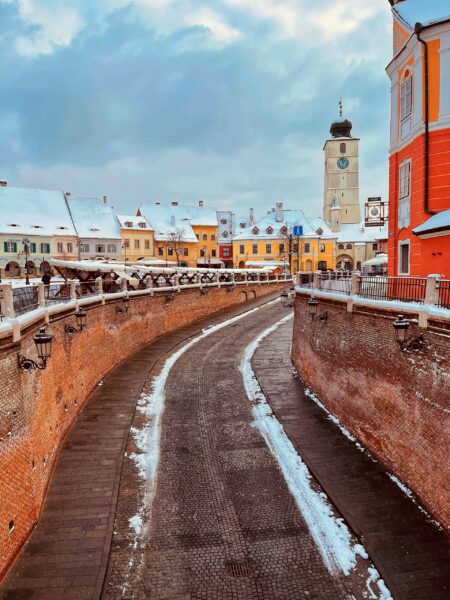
(224, 524)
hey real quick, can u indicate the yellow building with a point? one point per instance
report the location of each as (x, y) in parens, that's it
(184, 235)
(137, 238)
(275, 241)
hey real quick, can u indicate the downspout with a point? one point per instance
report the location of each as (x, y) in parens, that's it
(418, 30)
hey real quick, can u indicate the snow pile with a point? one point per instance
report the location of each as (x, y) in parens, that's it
(332, 536)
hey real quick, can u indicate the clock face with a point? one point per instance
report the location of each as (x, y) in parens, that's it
(343, 163)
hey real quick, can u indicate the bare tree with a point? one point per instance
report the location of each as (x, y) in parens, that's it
(174, 242)
(291, 244)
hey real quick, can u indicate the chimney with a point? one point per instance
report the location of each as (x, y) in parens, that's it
(252, 216)
(172, 220)
(105, 199)
(279, 212)
(200, 203)
(174, 203)
(3, 183)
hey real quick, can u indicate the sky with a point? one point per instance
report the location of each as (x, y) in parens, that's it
(226, 101)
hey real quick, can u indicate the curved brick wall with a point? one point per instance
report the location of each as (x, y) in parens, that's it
(37, 409)
(396, 403)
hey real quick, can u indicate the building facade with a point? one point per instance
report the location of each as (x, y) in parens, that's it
(273, 241)
(355, 243)
(137, 238)
(35, 225)
(226, 222)
(419, 173)
(98, 229)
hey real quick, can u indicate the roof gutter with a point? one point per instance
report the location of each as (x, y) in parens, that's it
(426, 196)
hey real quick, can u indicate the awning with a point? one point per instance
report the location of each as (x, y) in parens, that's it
(210, 261)
(377, 261)
(266, 263)
(435, 226)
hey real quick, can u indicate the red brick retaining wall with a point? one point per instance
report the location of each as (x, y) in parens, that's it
(37, 409)
(396, 403)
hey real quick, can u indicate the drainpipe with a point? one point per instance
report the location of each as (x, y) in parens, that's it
(418, 30)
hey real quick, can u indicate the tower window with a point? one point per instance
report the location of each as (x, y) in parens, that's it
(343, 148)
(406, 97)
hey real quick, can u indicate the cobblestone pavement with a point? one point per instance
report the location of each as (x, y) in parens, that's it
(223, 523)
(410, 552)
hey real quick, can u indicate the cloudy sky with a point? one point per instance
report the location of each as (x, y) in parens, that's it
(228, 101)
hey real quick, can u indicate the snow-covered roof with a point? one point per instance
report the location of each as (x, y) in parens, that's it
(357, 232)
(426, 12)
(29, 211)
(287, 218)
(94, 219)
(167, 220)
(226, 230)
(439, 223)
(266, 263)
(134, 222)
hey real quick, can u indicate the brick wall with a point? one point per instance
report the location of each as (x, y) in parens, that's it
(396, 403)
(37, 409)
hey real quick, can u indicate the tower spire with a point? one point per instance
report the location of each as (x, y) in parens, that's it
(340, 106)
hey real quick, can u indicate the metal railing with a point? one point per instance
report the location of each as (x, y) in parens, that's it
(405, 289)
(443, 286)
(86, 288)
(25, 299)
(338, 281)
(56, 293)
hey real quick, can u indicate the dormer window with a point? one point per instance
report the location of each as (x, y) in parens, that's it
(13, 225)
(128, 224)
(242, 225)
(225, 234)
(36, 226)
(223, 221)
(269, 230)
(255, 231)
(94, 229)
(62, 227)
(142, 225)
(319, 231)
(283, 230)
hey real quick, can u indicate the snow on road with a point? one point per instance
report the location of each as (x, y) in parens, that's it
(338, 548)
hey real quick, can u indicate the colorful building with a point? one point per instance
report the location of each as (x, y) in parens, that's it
(137, 238)
(226, 231)
(97, 227)
(275, 241)
(419, 172)
(35, 225)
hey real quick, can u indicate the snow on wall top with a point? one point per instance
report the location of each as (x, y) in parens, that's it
(422, 11)
(29, 211)
(167, 219)
(287, 218)
(357, 232)
(133, 222)
(94, 219)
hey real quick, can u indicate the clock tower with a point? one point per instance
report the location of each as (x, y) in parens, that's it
(341, 181)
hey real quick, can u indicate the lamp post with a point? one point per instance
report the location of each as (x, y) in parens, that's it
(80, 316)
(401, 325)
(43, 341)
(26, 246)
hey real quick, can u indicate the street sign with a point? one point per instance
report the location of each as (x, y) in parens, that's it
(298, 230)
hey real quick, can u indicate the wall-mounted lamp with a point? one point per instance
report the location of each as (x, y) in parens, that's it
(286, 298)
(313, 306)
(124, 308)
(401, 325)
(204, 291)
(230, 288)
(80, 316)
(170, 297)
(43, 341)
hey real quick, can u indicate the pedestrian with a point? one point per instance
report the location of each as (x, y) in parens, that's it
(46, 278)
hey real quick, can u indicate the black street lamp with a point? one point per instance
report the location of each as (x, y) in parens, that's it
(313, 306)
(80, 316)
(124, 308)
(401, 325)
(26, 246)
(43, 341)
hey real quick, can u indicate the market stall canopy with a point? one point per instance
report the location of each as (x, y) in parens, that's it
(377, 261)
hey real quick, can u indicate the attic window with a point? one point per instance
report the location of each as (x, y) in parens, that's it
(283, 230)
(13, 225)
(319, 231)
(242, 225)
(223, 221)
(225, 234)
(94, 229)
(37, 226)
(128, 224)
(269, 230)
(62, 227)
(143, 225)
(255, 231)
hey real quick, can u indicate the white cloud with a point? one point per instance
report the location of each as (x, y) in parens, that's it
(209, 19)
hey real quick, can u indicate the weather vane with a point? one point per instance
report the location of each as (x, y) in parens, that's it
(340, 106)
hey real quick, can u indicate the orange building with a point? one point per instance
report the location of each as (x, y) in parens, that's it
(419, 171)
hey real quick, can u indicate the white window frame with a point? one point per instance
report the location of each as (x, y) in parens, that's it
(406, 98)
(404, 196)
(399, 266)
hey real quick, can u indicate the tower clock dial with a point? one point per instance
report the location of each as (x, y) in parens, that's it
(343, 162)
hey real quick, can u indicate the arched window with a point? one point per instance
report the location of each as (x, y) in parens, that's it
(406, 95)
(269, 230)
(341, 246)
(348, 246)
(343, 147)
(255, 231)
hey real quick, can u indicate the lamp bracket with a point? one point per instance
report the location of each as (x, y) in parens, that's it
(70, 329)
(415, 344)
(26, 364)
(322, 317)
